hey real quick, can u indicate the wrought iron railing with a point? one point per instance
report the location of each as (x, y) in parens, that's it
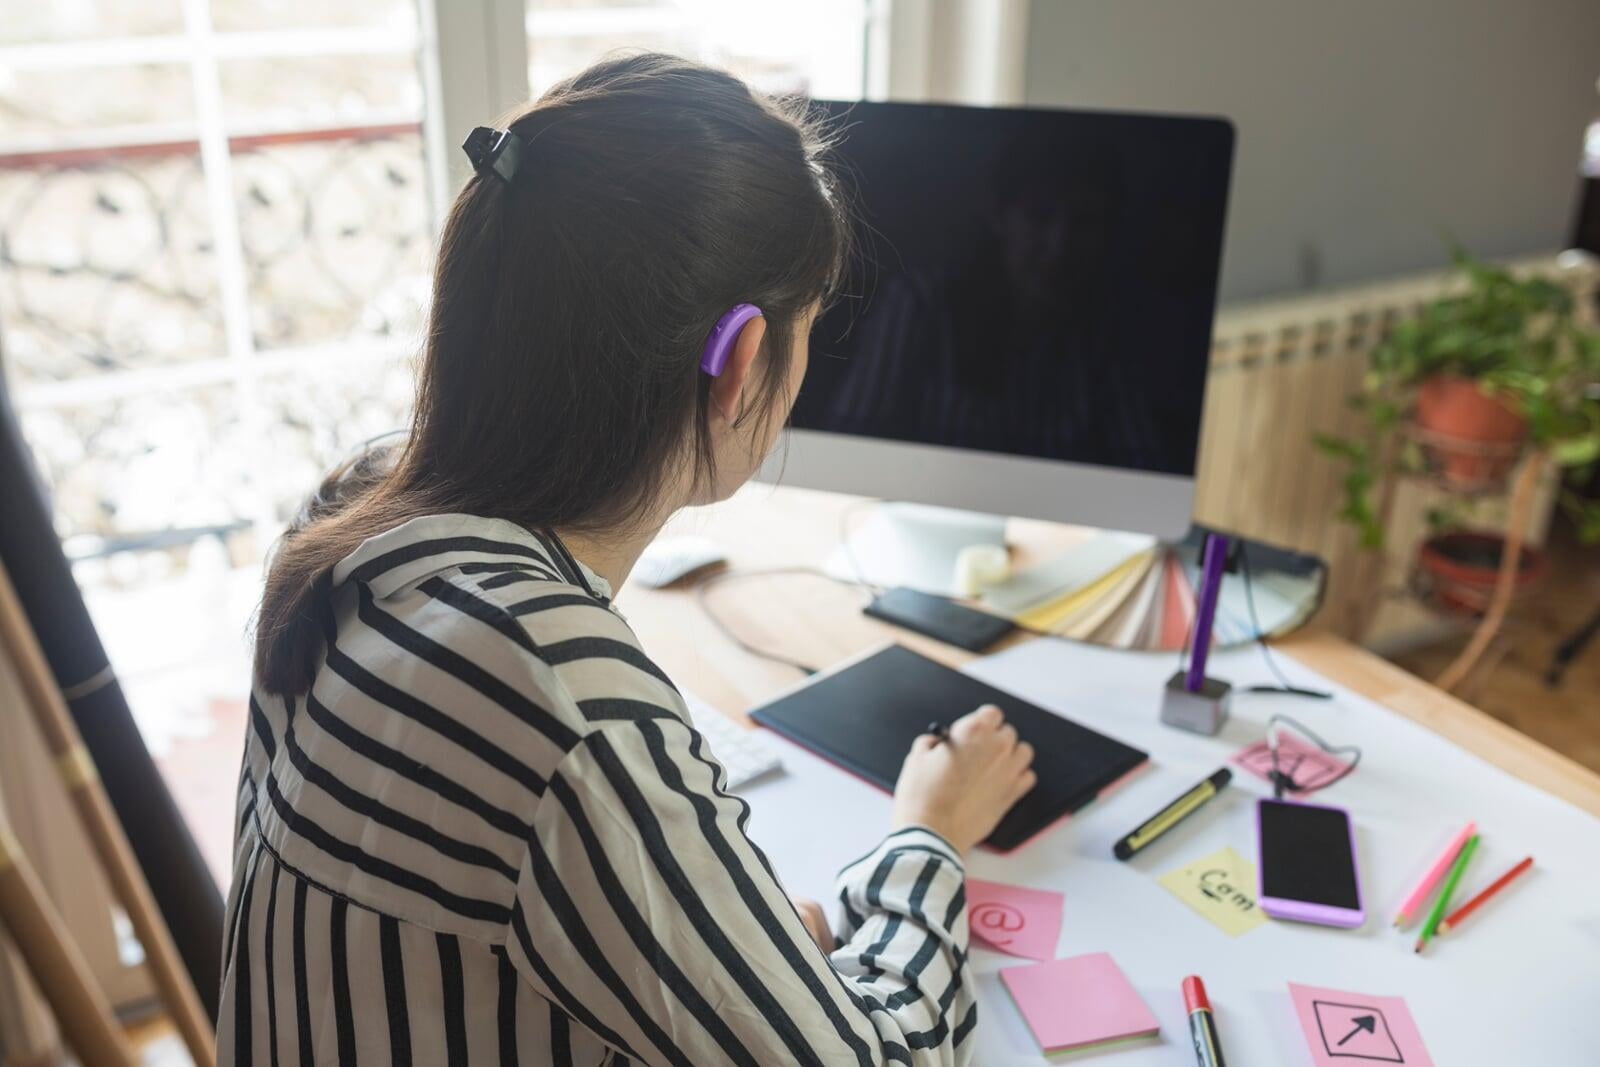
(112, 329)
(106, 260)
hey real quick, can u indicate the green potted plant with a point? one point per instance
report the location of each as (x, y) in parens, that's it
(1468, 382)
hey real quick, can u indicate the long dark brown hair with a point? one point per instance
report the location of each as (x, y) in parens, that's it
(559, 384)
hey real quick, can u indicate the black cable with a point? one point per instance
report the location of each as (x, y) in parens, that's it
(1569, 649)
(1284, 685)
(1282, 782)
(702, 590)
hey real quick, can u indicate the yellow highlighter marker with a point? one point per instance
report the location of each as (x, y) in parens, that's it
(1172, 815)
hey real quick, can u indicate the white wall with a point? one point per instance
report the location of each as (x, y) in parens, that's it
(1366, 128)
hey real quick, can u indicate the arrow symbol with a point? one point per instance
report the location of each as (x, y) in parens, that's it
(1369, 1023)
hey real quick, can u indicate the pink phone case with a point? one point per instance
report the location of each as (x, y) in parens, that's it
(1301, 910)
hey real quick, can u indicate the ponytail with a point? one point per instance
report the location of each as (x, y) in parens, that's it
(560, 381)
(295, 620)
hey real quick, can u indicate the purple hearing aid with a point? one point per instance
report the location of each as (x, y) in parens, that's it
(720, 343)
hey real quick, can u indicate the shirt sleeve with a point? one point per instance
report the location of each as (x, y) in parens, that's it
(645, 911)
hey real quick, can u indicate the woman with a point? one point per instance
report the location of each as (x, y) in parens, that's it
(475, 825)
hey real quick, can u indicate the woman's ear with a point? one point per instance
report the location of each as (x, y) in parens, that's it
(727, 389)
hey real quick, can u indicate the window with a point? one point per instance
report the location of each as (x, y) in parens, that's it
(214, 243)
(818, 47)
(215, 234)
(215, 229)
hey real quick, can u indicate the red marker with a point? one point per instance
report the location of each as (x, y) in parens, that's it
(1202, 1027)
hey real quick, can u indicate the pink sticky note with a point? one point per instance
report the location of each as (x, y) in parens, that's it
(1020, 921)
(1309, 766)
(1078, 1002)
(1349, 1029)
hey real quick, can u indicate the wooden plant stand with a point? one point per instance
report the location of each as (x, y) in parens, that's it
(1523, 494)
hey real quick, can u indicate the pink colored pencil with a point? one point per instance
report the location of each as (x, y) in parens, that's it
(1424, 888)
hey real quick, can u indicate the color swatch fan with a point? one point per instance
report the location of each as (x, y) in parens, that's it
(1131, 592)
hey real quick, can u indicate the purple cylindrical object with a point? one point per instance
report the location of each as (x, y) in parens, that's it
(1210, 584)
(720, 343)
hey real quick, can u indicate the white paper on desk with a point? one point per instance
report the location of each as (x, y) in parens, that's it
(1517, 986)
(1072, 570)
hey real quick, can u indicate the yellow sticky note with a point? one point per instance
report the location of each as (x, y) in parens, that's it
(1221, 888)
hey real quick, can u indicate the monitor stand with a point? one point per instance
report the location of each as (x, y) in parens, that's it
(912, 544)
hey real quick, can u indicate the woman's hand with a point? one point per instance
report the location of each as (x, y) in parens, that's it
(816, 922)
(961, 787)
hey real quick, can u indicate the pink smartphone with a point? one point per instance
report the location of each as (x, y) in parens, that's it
(1307, 867)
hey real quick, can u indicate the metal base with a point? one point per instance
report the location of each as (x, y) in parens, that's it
(1204, 712)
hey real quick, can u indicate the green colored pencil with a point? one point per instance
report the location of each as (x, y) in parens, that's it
(1440, 905)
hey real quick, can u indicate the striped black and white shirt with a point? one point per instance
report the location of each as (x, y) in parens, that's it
(489, 835)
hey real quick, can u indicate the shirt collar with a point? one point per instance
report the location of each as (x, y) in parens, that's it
(422, 547)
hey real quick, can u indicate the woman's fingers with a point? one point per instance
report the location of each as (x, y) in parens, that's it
(975, 723)
(963, 789)
(1024, 783)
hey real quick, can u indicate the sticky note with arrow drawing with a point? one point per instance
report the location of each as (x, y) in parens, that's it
(1350, 1029)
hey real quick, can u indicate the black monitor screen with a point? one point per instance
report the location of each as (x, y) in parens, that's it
(1038, 283)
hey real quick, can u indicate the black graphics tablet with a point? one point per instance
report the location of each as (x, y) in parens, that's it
(864, 715)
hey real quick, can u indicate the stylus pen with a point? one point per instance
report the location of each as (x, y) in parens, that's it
(1171, 815)
(1202, 1024)
(939, 730)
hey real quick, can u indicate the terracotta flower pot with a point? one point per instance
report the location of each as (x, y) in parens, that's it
(1471, 437)
(1462, 567)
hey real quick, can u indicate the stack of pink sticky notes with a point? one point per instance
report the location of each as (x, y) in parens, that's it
(1078, 1003)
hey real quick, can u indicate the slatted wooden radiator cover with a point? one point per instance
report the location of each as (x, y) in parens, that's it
(1280, 372)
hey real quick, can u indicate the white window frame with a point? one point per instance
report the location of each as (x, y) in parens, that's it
(476, 60)
(475, 68)
(201, 48)
(954, 51)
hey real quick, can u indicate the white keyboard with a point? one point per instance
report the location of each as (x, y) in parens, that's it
(743, 752)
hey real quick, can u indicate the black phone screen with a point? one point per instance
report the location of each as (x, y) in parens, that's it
(1306, 855)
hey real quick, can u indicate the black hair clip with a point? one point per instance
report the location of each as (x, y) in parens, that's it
(498, 152)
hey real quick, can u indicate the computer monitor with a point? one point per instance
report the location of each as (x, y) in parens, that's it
(1027, 325)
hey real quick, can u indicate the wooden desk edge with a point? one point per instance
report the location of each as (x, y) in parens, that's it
(1455, 720)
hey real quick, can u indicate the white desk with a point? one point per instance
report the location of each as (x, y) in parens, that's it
(1518, 985)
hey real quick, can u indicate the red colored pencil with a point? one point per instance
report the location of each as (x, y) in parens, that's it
(1494, 887)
